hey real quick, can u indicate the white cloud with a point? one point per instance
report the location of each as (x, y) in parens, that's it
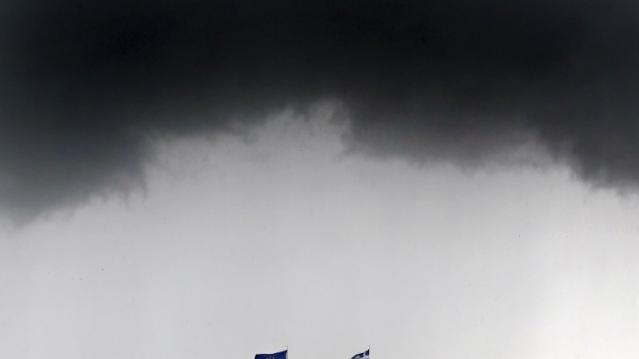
(239, 246)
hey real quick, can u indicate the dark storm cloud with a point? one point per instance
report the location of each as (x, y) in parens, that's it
(85, 83)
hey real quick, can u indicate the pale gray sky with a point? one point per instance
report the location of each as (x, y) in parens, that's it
(245, 245)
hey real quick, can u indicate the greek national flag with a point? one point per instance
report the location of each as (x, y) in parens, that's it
(364, 355)
(278, 355)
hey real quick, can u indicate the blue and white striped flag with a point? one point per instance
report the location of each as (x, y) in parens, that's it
(364, 355)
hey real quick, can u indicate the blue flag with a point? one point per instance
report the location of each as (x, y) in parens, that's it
(364, 355)
(278, 355)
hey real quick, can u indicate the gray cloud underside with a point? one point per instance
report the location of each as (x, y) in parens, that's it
(84, 84)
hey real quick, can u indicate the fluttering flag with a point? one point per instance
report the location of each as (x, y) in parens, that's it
(278, 355)
(364, 355)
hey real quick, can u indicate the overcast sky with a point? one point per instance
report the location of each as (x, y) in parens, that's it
(240, 245)
(435, 179)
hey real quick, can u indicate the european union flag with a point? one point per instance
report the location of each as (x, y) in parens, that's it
(278, 355)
